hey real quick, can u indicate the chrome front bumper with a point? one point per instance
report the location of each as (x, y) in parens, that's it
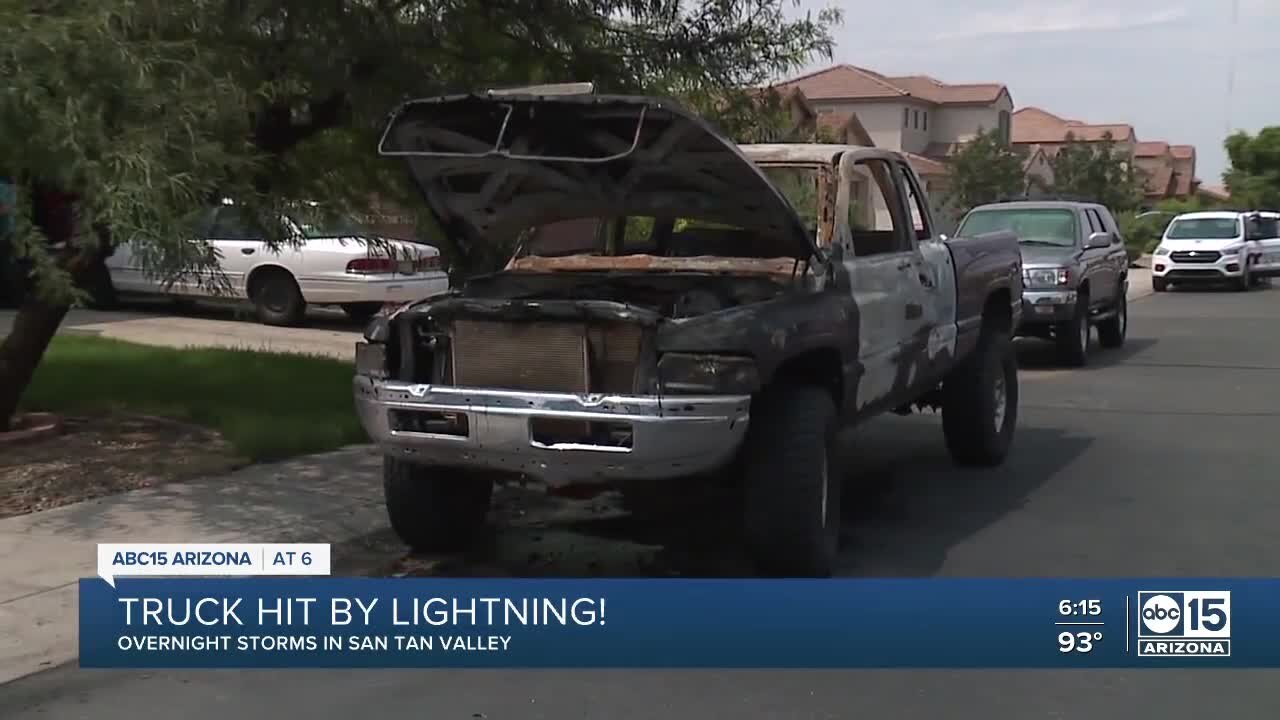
(1047, 306)
(670, 436)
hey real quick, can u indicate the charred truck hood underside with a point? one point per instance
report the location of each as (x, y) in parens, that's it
(491, 166)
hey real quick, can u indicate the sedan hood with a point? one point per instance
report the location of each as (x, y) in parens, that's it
(491, 165)
(1193, 245)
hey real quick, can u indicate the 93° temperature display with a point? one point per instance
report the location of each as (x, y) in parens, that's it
(1080, 625)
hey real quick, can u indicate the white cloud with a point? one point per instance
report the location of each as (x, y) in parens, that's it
(1062, 17)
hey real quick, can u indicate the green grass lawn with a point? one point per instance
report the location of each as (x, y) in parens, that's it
(267, 405)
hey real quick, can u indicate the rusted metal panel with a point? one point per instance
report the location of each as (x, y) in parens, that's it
(784, 267)
(546, 356)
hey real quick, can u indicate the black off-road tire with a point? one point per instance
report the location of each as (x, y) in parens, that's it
(1072, 336)
(435, 509)
(1159, 284)
(792, 482)
(361, 312)
(977, 433)
(1113, 330)
(276, 298)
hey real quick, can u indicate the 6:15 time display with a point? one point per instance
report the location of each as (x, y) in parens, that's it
(1080, 607)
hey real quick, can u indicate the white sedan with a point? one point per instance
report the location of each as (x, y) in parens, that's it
(331, 266)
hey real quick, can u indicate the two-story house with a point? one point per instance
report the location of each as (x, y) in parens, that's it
(1034, 129)
(918, 115)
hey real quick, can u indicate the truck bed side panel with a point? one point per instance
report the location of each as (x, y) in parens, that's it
(985, 265)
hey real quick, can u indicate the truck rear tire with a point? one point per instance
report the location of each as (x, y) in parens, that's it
(980, 404)
(1113, 330)
(792, 482)
(435, 509)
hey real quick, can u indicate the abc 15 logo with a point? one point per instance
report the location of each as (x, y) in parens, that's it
(1192, 614)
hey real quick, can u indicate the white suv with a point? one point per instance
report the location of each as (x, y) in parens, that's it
(1238, 247)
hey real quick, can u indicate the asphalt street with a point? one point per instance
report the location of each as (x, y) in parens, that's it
(1158, 459)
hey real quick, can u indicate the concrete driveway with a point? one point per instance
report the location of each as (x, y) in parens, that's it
(326, 332)
(1157, 459)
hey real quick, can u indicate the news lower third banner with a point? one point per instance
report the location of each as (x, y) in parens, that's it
(328, 622)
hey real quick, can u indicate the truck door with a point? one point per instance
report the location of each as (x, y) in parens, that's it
(1099, 263)
(930, 284)
(880, 258)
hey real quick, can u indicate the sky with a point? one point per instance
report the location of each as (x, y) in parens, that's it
(1162, 66)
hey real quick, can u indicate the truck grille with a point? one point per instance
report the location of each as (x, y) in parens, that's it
(545, 356)
(1195, 256)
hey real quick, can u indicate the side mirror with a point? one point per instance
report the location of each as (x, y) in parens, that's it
(1099, 240)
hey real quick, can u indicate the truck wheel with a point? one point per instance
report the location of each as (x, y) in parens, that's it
(1112, 331)
(1159, 284)
(980, 404)
(435, 509)
(792, 482)
(276, 297)
(1073, 336)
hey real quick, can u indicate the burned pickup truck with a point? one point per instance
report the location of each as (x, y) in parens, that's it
(676, 306)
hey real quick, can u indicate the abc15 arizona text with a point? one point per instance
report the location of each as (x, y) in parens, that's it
(1184, 623)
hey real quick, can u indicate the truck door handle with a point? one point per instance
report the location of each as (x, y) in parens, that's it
(246, 251)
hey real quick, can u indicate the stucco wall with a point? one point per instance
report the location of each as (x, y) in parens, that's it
(961, 123)
(883, 121)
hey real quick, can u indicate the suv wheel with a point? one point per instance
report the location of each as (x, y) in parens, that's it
(792, 482)
(1112, 331)
(435, 509)
(1072, 336)
(980, 403)
(1159, 284)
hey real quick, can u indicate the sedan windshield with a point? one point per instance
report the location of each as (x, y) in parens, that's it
(1040, 226)
(1204, 229)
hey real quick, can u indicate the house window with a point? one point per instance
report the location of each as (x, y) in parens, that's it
(1004, 125)
(906, 117)
(925, 122)
(915, 119)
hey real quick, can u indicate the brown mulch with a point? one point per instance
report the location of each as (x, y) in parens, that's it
(101, 456)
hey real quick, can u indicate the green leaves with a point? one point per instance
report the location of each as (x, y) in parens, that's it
(1097, 171)
(985, 170)
(1254, 176)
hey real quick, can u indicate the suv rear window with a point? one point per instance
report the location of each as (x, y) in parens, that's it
(1204, 229)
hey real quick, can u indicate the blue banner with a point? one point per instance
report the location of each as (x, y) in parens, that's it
(542, 623)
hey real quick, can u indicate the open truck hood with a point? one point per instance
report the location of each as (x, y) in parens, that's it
(494, 164)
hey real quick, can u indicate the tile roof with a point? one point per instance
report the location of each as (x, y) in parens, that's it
(849, 82)
(924, 165)
(1034, 125)
(1153, 148)
(1183, 152)
(848, 124)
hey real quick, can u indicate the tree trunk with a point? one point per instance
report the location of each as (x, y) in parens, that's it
(37, 320)
(21, 351)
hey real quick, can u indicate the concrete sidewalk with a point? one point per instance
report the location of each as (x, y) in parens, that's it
(330, 498)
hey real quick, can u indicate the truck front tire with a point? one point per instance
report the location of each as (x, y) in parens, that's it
(792, 482)
(980, 404)
(1072, 336)
(1113, 330)
(435, 509)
